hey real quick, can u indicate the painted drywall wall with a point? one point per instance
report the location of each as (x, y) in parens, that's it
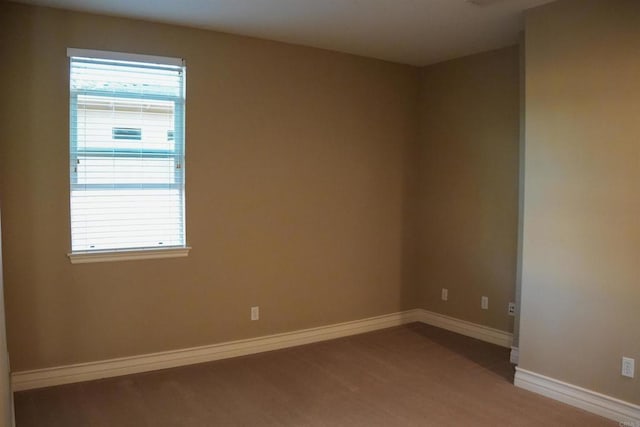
(468, 186)
(581, 253)
(6, 398)
(521, 135)
(298, 162)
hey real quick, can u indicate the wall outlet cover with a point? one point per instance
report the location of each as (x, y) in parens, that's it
(628, 367)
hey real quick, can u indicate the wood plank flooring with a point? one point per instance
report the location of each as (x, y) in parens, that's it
(414, 375)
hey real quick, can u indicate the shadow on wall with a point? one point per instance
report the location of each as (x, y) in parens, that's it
(483, 354)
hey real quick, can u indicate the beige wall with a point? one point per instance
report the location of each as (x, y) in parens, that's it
(6, 398)
(298, 161)
(581, 260)
(468, 189)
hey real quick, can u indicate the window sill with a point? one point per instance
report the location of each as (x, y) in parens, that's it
(127, 255)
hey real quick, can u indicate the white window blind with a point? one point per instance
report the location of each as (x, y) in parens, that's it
(126, 152)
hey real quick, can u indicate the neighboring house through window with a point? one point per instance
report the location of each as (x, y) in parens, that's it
(127, 152)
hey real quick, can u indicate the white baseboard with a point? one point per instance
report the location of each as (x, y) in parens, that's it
(514, 357)
(46, 377)
(625, 413)
(473, 330)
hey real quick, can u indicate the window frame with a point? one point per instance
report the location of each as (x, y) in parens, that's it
(178, 152)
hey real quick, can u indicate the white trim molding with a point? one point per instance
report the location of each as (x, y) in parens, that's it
(123, 56)
(128, 255)
(463, 327)
(514, 357)
(46, 377)
(625, 413)
(26, 380)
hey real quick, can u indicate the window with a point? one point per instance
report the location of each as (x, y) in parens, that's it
(127, 174)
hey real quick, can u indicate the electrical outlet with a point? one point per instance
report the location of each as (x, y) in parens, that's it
(484, 303)
(255, 313)
(512, 309)
(628, 366)
(445, 294)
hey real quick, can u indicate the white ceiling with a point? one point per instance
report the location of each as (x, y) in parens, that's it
(417, 32)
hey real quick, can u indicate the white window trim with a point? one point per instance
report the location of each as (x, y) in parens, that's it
(127, 255)
(123, 56)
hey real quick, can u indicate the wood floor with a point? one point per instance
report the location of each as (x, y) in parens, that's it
(414, 375)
